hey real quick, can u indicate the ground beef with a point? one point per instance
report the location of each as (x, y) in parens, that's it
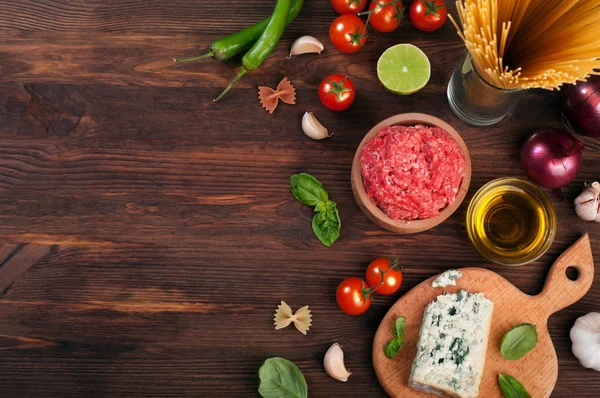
(412, 172)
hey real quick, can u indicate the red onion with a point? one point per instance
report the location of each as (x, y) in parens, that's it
(551, 158)
(582, 105)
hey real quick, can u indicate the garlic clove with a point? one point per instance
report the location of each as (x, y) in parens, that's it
(334, 363)
(312, 127)
(305, 45)
(587, 204)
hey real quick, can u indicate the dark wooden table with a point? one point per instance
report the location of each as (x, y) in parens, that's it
(176, 231)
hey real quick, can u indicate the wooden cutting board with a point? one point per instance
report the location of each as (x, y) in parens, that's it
(538, 370)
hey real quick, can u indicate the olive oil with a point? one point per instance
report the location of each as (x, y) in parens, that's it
(511, 221)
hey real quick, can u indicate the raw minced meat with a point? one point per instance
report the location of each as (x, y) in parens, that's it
(412, 172)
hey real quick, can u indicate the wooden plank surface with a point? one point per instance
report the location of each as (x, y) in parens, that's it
(15, 260)
(177, 233)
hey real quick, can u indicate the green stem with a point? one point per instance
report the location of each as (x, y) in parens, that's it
(379, 6)
(234, 81)
(374, 289)
(367, 23)
(208, 54)
(393, 266)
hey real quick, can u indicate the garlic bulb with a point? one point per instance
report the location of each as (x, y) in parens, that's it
(305, 45)
(585, 336)
(587, 204)
(334, 363)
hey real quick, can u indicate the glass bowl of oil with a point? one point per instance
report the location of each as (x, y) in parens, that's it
(511, 221)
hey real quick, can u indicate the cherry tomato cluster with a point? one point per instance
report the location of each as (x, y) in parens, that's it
(348, 33)
(354, 295)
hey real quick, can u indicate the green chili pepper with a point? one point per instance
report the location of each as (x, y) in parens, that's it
(234, 44)
(265, 44)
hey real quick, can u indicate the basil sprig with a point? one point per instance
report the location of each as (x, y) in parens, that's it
(393, 347)
(281, 378)
(326, 223)
(511, 388)
(519, 341)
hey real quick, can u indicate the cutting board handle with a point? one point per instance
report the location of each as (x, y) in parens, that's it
(559, 291)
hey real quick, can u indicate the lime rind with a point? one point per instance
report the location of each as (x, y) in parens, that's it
(403, 69)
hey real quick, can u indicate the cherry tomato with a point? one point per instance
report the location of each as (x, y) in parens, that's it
(392, 277)
(337, 92)
(352, 296)
(349, 6)
(385, 19)
(428, 15)
(348, 33)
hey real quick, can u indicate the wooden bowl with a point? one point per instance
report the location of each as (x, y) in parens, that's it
(373, 212)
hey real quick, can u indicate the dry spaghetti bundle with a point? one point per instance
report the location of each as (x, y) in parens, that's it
(532, 43)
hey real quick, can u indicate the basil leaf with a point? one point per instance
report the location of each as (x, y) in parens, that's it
(519, 341)
(308, 190)
(326, 225)
(321, 207)
(280, 378)
(400, 327)
(325, 206)
(511, 388)
(393, 347)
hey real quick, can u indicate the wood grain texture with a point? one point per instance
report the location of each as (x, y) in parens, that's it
(177, 232)
(15, 260)
(374, 213)
(537, 371)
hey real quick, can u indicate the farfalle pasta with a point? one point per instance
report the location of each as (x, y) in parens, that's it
(269, 98)
(284, 316)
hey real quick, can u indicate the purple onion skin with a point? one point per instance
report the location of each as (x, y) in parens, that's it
(582, 105)
(551, 158)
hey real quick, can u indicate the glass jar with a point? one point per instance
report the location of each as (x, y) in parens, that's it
(511, 221)
(474, 100)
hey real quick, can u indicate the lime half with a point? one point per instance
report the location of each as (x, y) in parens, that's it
(403, 69)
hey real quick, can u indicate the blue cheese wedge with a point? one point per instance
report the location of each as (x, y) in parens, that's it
(447, 278)
(452, 345)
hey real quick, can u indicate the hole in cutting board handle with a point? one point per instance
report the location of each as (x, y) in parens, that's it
(572, 273)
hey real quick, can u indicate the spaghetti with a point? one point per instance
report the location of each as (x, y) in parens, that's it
(520, 44)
